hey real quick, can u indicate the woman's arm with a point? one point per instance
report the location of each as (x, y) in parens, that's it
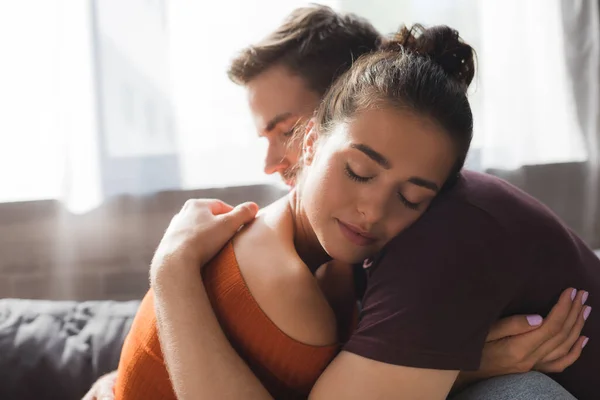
(522, 343)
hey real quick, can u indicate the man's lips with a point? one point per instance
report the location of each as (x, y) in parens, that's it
(355, 235)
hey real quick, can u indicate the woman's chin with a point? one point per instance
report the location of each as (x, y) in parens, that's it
(347, 255)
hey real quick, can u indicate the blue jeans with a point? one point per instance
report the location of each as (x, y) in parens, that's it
(529, 386)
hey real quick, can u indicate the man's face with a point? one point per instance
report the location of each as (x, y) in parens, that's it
(278, 101)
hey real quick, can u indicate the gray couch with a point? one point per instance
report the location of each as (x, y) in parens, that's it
(56, 350)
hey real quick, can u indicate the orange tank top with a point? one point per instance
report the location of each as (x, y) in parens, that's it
(286, 367)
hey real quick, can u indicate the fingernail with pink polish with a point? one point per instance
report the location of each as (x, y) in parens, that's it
(534, 320)
(584, 297)
(573, 294)
(587, 312)
(585, 342)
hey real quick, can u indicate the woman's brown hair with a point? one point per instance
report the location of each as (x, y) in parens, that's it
(425, 71)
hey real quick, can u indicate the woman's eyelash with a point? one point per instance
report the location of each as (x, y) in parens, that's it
(412, 206)
(289, 133)
(352, 175)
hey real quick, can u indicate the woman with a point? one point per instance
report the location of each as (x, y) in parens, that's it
(373, 118)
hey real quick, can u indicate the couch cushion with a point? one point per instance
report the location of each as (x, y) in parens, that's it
(57, 349)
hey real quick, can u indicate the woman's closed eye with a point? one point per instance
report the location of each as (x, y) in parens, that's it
(408, 204)
(363, 179)
(354, 176)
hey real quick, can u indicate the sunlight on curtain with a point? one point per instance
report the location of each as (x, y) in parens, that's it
(47, 102)
(528, 114)
(217, 140)
(462, 15)
(30, 150)
(52, 145)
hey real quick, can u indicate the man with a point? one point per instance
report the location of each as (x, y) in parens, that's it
(286, 75)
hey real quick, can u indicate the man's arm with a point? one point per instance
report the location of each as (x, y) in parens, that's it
(213, 369)
(510, 347)
(217, 370)
(351, 376)
(200, 360)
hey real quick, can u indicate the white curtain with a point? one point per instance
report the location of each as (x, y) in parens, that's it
(217, 139)
(581, 24)
(100, 97)
(47, 102)
(528, 113)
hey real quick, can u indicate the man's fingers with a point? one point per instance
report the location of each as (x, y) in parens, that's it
(107, 393)
(103, 389)
(240, 215)
(513, 326)
(106, 386)
(563, 363)
(90, 395)
(218, 207)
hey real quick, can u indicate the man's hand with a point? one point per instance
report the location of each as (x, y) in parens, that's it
(103, 388)
(521, 343)
(198, 232)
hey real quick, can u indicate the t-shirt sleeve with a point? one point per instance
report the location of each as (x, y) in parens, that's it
(435, 290)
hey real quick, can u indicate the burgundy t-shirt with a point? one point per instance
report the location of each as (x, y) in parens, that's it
(482, 251)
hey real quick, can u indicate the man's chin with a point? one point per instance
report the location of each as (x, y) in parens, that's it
(290, 182)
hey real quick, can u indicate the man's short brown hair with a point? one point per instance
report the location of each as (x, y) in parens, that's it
(315, 42)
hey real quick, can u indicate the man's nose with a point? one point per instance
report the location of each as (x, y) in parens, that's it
(275, 161)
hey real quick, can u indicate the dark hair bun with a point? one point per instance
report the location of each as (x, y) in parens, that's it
(441, 44)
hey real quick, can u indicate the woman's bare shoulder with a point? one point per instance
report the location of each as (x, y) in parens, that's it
(280, 282)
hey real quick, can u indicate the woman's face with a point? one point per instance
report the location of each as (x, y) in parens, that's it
(371, 178)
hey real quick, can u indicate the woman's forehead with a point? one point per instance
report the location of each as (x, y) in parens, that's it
(405, 140)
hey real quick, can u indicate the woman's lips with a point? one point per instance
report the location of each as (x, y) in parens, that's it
(355, 236)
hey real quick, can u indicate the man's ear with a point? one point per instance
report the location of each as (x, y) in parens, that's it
(310, 142)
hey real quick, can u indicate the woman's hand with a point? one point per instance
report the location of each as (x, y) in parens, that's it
(523, 343)
(196, 234)
(103, 389)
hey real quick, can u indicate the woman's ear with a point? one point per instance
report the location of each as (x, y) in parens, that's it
(310, 142)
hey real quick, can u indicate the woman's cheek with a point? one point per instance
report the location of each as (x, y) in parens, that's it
(315, 193)
(326, 186)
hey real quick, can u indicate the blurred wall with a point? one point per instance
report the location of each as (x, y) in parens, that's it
(46, 253)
